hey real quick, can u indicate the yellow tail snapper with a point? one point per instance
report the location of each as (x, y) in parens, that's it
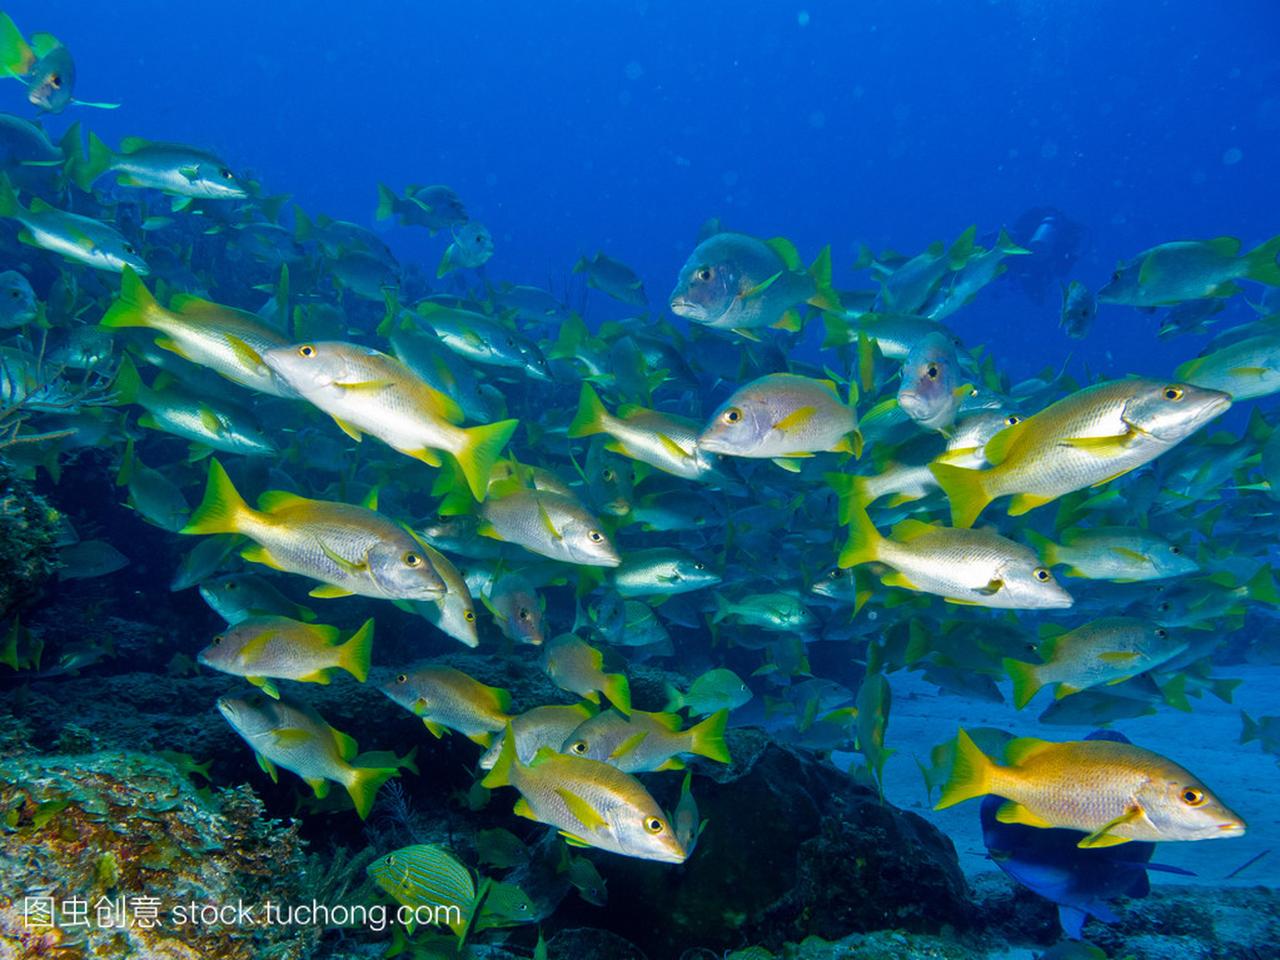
(642, 742)
(471, 248)
(662, 440)
(455, 612)
(1104, 651)
(931, 390)
(172, 168)
(349, 549)
(448, 699)
(366, 391)
(238, 596)
(546, 523)
(228, 341)
(82, 239)
(716, 690)
(590, 802)
(611, 277)
(662, 571)
(43, 65)
(1246, 369)
(1113, 792)
(577, 667)
(484, 339)
(262, 649)
(297, 738)
(735, 282)
(174, 410)
(963, 566)
(1085, 439)
(435, 207)
(780, 416)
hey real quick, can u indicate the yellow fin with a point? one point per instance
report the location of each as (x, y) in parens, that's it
(1103, 837)
(244, 353)
(797, 417)
(1118, 656)
(351, 431)
(898, 579)
(627, 745)
(761, 287)
(327, 591)
(1026, 502)
(1013, 812)
(1021, 749)
(256, 553)
(581, 810)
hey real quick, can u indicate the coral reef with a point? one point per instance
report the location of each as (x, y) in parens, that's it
(120, 843)
(28, 530)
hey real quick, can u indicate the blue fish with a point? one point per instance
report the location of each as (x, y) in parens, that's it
(1081, 882)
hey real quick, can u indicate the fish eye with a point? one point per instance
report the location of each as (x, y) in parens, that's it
(55, 81)
(469, 616)
(307, 350)
(15, 294)
(523, 614)
(699, 565)
(654, 825)
(1175, 550)
(579, 747)
(834, 574)
(595, 536)
(1115, 277)
(1192, 797)
(217, 640)
(732, 415)
(226, 174)
(607, 476)
(511, 341)
(1012, 419)
(391, 860)
(1041, 574)
(1161, 633)
(411, 559)
(703, 273)
(1164, 607)
(129, 248)
(1173, 393)
(402, 678)
(231, 584)
(932, 371)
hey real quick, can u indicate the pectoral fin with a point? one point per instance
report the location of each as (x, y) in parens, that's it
(350, 566)
(1013, 812)
(582, 811)
(1102, 837)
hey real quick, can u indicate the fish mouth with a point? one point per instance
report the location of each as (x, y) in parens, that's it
(684, 307)
(1232, 828)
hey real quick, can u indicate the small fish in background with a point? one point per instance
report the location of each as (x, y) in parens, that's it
(471, 248)
(545, 726)
(781, 416)
(931, 390)
(435, 207)
(577, 667)
(18, 305)
(717, 689)
(614, 278)
(1079, 307)
(1265, 730)
(1111, 792)
(1191, 270)
(239, 596)
(448, 699)
(1049, 863)
(641, 742)
(82, 239)
(89, 559)
(186, 173)
(295, 737)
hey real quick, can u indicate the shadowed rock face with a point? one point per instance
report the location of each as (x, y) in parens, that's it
(27, 530)
(794, 848)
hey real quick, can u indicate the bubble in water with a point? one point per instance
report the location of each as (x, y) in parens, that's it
(1232, 156)
(802, 18)
(1049, 150)
(633, 70)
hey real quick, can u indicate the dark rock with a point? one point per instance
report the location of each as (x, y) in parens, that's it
(589, 943)
(793, 848)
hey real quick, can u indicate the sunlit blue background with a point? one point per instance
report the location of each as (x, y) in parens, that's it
(570, 126)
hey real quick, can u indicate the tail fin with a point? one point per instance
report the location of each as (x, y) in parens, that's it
(1026, 681)
(1262, 586)
(591, 416)
(500, 775)
(618, 689)
(675, 699)
(135, 307)
(480, 451)
(128, 463)
(386, 203)
(850, 491)
(723, 608)
(706, 739)
(824, 296)
(864, 541)
(1262, 265)
(354, 655)
(222, 510)
(83, 172)
(363, 786)
(1250, 731)
(128, 384)
(16, 56)
(970, 774)
(9, 205)
(965, 489)
(1046, 548)
(837, 331)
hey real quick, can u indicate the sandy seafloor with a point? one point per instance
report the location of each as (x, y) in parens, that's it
(1205, 741)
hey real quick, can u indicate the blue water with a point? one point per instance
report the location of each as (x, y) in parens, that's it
(573, 126)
